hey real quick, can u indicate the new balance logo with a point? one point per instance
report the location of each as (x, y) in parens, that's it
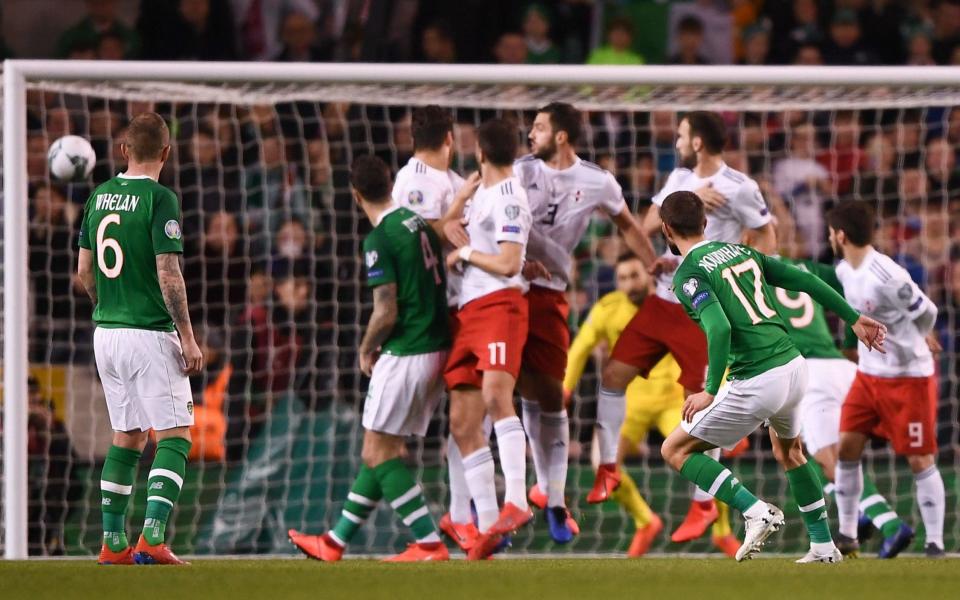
(106, 502)
(823, 516)
(156, 485)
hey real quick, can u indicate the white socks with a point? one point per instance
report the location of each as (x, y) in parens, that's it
(611, 406)
(932, 502)
(512, 447)
(849, 488)
(478, 473)
(555, 438)
(459, 492)
(531, 424)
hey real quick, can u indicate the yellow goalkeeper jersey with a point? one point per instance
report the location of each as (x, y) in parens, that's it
(607, 319)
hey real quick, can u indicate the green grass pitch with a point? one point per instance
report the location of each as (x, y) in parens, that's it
(529, 579)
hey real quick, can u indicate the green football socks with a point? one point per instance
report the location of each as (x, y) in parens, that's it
(116, 485)
(718, 481)
(362, 499)
(808, 493)
(406, 497)
(163, 486)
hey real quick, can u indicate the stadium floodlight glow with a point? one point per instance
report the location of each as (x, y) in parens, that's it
(601, 88)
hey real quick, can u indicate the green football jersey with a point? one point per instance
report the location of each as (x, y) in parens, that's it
(403, 249)
(804, 318)
(732, 275)
(127, 222)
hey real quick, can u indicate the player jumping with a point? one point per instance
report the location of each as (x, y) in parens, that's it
(564, 192)
(727, 289)
(129, 263)
(484, 363)
(894, 394)
(403, 351)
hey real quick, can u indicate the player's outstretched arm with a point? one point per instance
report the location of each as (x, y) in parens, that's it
(635, 237)
(174, 292)
(381, 323)
(85, 273)
(449, 227)
(507, 263)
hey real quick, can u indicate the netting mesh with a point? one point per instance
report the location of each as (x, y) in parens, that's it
(276, 294)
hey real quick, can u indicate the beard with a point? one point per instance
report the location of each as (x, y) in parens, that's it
(546, 152)
(637, 296)
(688, 161)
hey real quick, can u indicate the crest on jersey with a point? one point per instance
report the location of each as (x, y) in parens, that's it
(371, 258)
(415, 198)
(512, 211)
(172, 229)
(690, 287)
(905, 292)
(190, 408)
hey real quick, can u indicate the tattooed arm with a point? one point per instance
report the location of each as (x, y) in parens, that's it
(381, 323)
(174, 292)
(85, 273)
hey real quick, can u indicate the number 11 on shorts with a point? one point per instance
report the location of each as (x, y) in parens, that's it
(498, 353)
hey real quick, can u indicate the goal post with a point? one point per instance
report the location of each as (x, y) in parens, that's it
(604, 89)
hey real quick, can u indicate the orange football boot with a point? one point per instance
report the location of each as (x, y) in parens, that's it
(145, 554)
(463, 535)
(109, 557)
(537, 497)
(421, 553)
(700, 516)
(512, 517)
(485, 545)
(317, 547)
(606, 481)
(728, 544)
(644, 537)
(742, 446)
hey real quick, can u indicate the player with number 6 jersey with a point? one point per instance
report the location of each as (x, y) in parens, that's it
(726, 289)
(129, 263)
(894, 394)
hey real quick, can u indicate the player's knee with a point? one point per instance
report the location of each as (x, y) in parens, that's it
(131, 440)
(794, 457)
(851, 448)
(616, 375)
(920, 463)
(673, 454)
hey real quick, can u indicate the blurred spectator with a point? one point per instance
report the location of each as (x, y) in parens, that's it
(756, 45)
(258, 24)
(216, 276)
(209, 429)
(299, 36)
(51, 259)
(941, 165)
(273, 192)
(881, 22)
(689, 35)
(717, 31)
(52, 485)
(913, 190)
(436, 43)
(511, 49)
(879, 184)
(187, 30)
(205, 185)
(536, 29)
(809, 55)
(292, 241)
(111, 47)
(36, 158)
(801, 181)
(795, 24)
(919, 42)
(908, 135)
(845, 46)
(101, 19)
(619, 47)
(946, 30)
(842, 155)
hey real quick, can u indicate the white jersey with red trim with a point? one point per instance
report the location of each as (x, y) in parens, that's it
(429, 192)
(883, 290)
(561, 204)
(499, 213)
(745, 209)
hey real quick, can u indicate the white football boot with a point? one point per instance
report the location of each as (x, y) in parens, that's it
(758, 529)
(812, 556)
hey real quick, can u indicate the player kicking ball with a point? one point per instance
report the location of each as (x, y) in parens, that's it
(727, 290)
(403, 351)
(129, 264)
(895, 393)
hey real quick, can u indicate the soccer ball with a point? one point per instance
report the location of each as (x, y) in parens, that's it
(71, 158)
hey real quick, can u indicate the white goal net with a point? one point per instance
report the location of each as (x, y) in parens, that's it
(272, 267)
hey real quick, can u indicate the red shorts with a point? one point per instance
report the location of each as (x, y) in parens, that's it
(901, 409)
(548, 338)
(491, 332)
(660, 327)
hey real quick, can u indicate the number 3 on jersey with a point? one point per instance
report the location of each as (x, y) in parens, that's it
(104, 242)
(733, 274)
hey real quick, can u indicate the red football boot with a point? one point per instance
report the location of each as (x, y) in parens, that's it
(644, 537)
(421, 553)
(463, 535)
(485, 545)
(700, 516)
(512, 517)
(728, 544)
(742, 446)
(537, 497)
(109, 557)
(145, 554)
(317, 547)
(606, 481)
